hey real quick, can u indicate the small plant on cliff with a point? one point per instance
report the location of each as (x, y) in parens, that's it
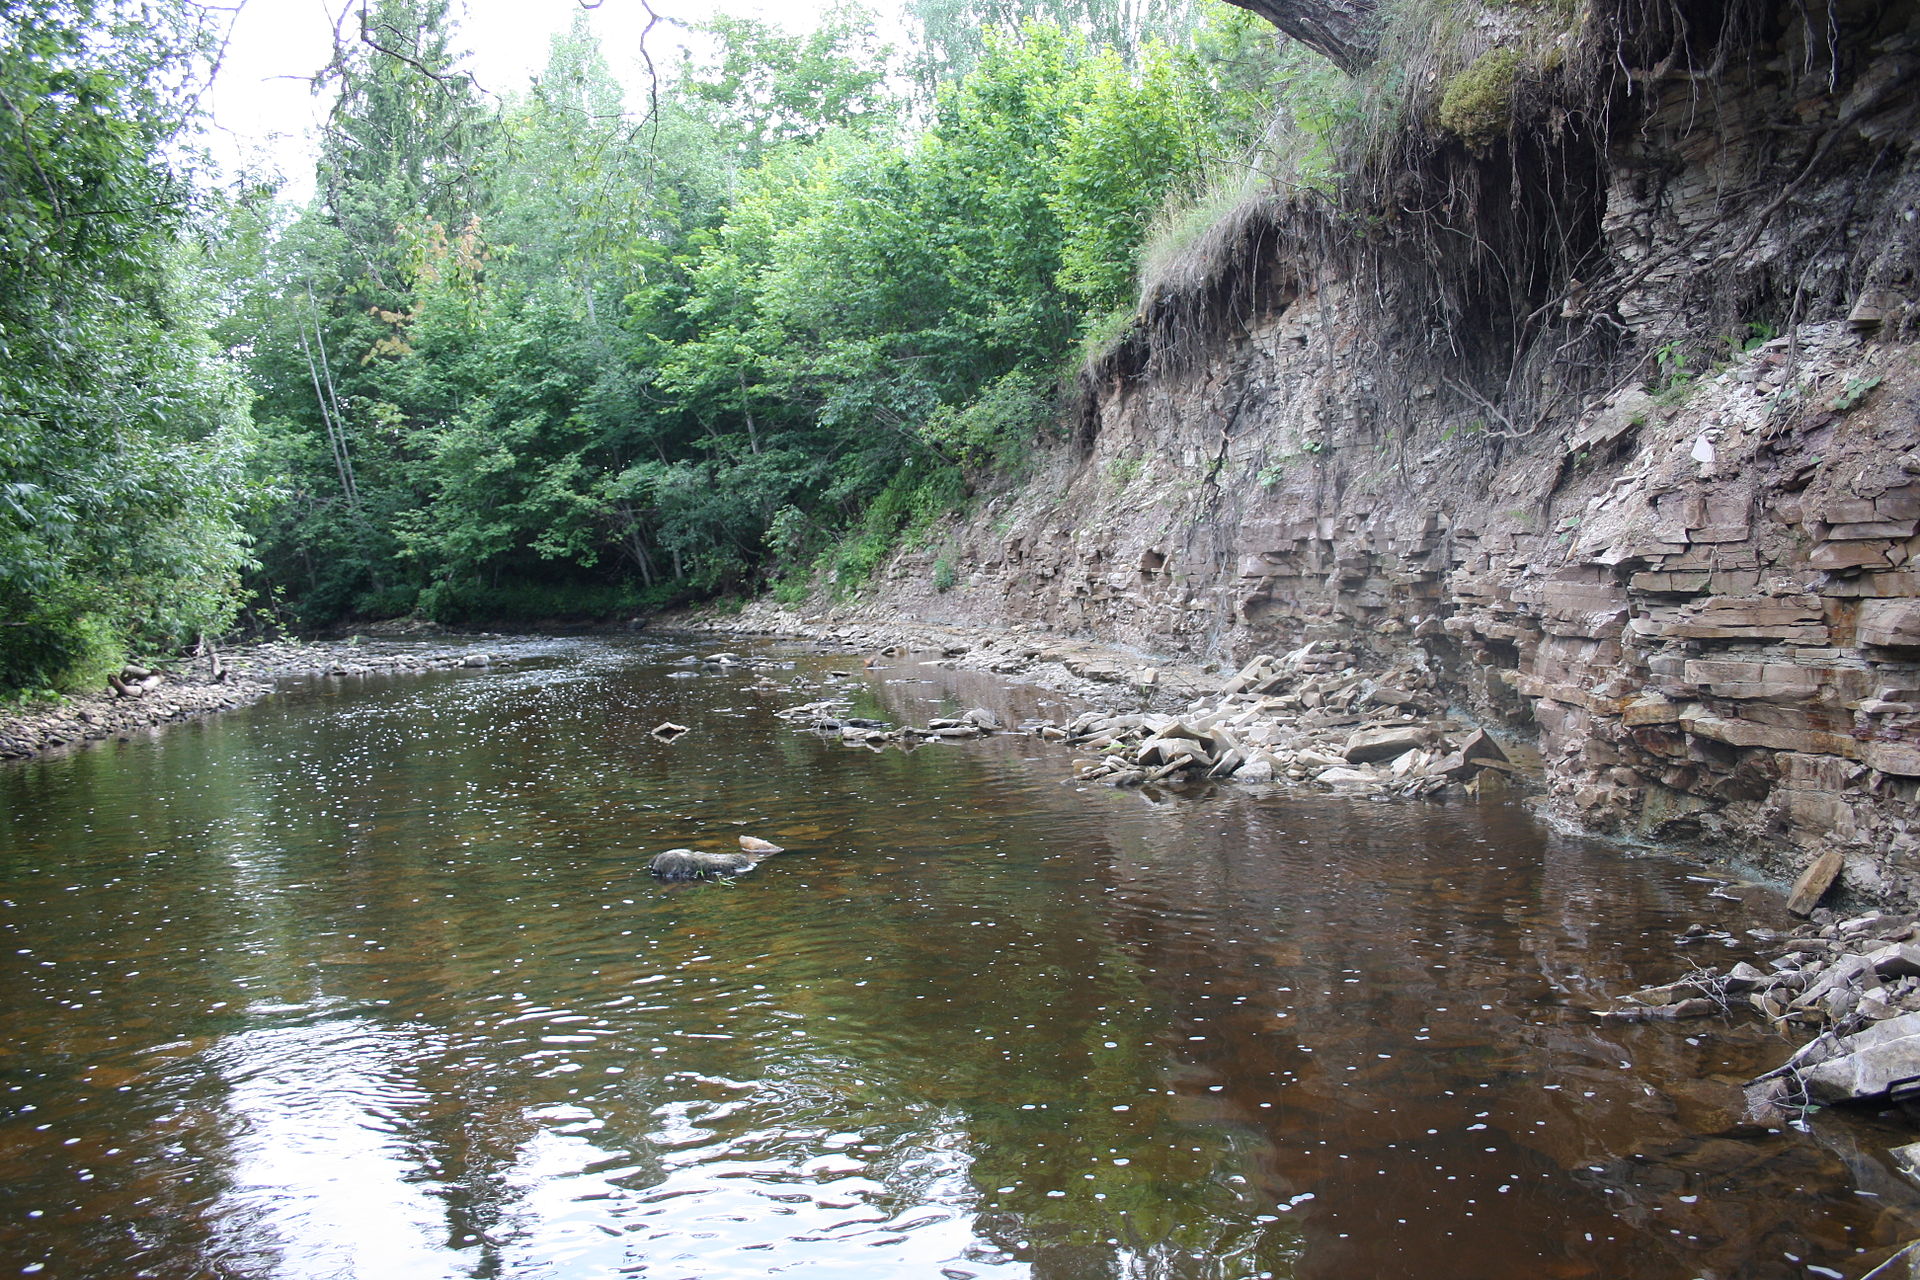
(1477, 106)
(1674, 379)
(943, 575)
(1853, 394)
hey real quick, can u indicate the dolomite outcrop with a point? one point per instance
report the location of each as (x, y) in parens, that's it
(1692, 582)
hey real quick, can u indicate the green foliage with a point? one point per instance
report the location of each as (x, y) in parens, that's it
(903, 511)
(1674, 379)
(533, 602)
(530, 359)
(1134, 140)
(1853, 394)
(56, 645)
(998, 427)
(755, 339)
(955, 35)
(944, 575)
(1477, 104)
(1319, 105)
(765, 87)
(122, 431)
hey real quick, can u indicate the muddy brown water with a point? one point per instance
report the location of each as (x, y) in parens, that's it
(369, 981)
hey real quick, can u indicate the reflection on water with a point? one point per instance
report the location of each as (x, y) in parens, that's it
(321, 1179)
(370, 982)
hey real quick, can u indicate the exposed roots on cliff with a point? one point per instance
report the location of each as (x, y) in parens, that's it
(1533, 214)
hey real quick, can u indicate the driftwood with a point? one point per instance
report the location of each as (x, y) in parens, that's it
(216, 669)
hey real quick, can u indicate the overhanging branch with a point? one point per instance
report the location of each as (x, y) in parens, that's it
(1342, 30)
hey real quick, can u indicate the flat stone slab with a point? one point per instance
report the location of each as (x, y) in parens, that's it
(1814, 883)
(1882, 1062)
(1384, 743)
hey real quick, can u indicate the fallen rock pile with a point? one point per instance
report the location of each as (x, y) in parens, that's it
(1307, 716)
(1300, 717)
(1854, 982)
(1833, 976)
(825, 718)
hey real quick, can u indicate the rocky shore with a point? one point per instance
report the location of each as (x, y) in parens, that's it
(1312, 717)
(1853, 983)
(145, 697)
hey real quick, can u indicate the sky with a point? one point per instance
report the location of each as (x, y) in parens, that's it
(265, 114)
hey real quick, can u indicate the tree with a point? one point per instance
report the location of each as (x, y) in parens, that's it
(401, 176)
(121, 429)
(1133, 141)
(953, 34)
(403, 139)
(766, 87)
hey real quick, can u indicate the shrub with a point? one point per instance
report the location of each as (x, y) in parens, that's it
(997, 427)
(54, 649)
(903, 512)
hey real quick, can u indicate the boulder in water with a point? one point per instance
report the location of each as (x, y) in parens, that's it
(697, 864)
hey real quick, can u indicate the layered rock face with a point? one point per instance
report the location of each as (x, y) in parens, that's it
(1680, 562)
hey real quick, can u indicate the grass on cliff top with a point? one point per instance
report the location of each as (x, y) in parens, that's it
(1446, 71)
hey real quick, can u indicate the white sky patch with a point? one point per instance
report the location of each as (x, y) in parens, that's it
(266, 117)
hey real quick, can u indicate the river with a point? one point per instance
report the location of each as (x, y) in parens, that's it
(369, 980)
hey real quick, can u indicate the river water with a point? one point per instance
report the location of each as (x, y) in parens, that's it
(370, 981)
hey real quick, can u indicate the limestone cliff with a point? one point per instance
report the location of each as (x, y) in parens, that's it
(1616, 416)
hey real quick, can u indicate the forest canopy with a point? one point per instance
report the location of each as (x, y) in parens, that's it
(578, 351)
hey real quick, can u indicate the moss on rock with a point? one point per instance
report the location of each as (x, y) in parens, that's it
(1478, 102)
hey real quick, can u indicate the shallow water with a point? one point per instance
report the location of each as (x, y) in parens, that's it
(369, 981)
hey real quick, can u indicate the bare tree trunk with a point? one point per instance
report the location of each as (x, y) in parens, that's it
(1343, 30)
(329, 401)
(746, 409)
(216, 669)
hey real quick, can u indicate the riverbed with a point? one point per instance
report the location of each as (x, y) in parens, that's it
(370, 980)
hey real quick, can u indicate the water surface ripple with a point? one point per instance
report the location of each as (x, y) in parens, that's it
(370, 981)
